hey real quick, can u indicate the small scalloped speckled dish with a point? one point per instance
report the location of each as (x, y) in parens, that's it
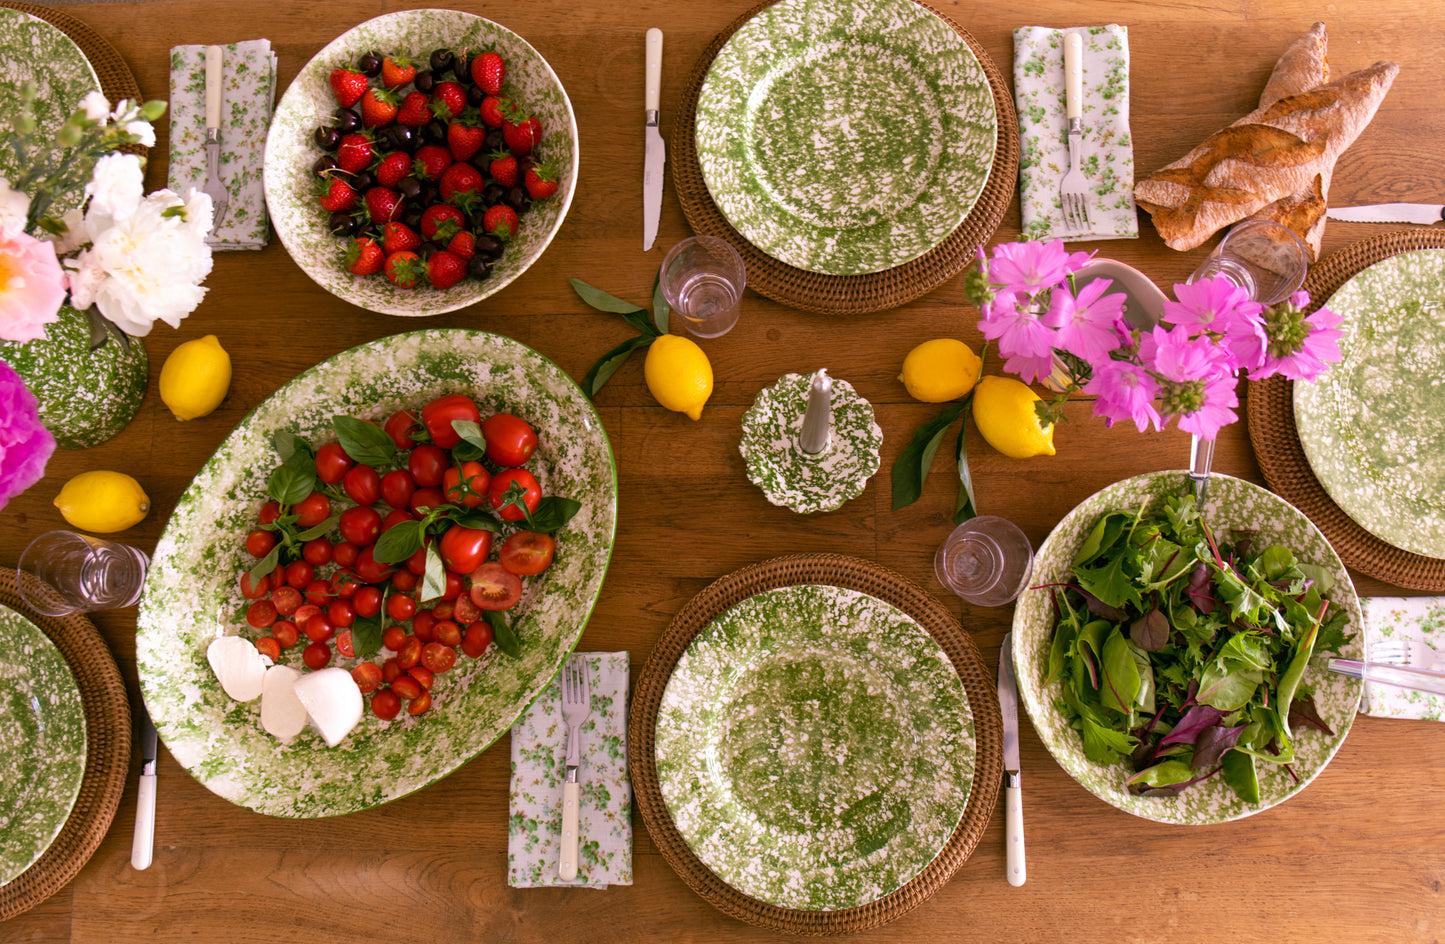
(290, 186)
(789, 476)
(191, 593)
(1232, 503)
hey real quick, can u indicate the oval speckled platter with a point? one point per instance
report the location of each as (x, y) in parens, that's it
(1233, 503)
(290, 193)
(845, 137)
(791, 477)
(815, 747)
(64, 80)
(42, 743)
(191, 593)
(1373, 426)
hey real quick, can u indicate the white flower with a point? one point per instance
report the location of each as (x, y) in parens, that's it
(115, 190)
(95, 106)
(75, 235)
(142, 129)
(14, 206)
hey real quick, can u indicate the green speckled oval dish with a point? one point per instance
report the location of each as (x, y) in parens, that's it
(42, 743)
(191, 594)
(815, 747)
(845, 136)
(1232, 503)
(1373, 426)
(290, 151)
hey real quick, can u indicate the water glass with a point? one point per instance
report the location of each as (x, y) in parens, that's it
(80, 574)
(986, 561)
(703, 279)
(1262, 256)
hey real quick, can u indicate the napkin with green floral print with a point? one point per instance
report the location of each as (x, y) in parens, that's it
(248, 97)
(539, 755)
(1108, 150)
(1418, 622)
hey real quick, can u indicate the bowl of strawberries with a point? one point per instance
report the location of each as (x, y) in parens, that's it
(421, 161)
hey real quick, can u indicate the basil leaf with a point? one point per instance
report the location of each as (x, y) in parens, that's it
(366, 635)
(288, 444)
(320, 530)
(466, 452)
(603, 302)
(434, 584)
(911, 467)
(477, 521)
(553, 513)
(265, 565)
(502, 633)
(288, 485)
(470, 432)
(609, 363)
(964, 507)
(399, 543)
(660, 308)
(364, 442)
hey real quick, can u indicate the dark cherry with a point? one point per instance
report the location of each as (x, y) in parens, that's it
(495, 140)
(347, 120)
(370, 64)
(409, 187)
(517, 199)
(342, 223)
(425, 82)
(327, 138)
(324, 165)
(488, 248)
(475, 95)
(411, 216)
(462, 67)
(478, 268)
(441, 60)
(434, 132)
(363, 180)
(525, 164)
(401, 138)
(493, 193)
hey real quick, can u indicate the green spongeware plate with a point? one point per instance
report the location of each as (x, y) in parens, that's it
(191, 593)
(42, 743)
(1232, 504)
(815, 747)
(845, 136)
(1373, 426)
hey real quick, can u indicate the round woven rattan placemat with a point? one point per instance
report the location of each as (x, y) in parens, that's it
(848, 294)
(830, 570)
(1282, 459)
(107, 758)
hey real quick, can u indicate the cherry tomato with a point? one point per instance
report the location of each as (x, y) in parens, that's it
(299, 574)
(464, 611)
(407, 686)
(438, 658)
(260, 542)
(416, 563)
(395, 517)
(253, 591)
(269, 512)
(394, 637)
(261, 614)
(476, 639)
(304, 612)
(287, 599)
(332, 463)
(419, 704)
(476, 477)
(405, 581)
(311, 510)
(367, 602)
(367, 676)
(399, 606)
(410, 653)
(448, 633)
(422, 674)
(269, 648)
(317, 551)
(316, 656)
(390, 670)
(344, 553)
(396, 488)
(494, 587)
(527, 552)
(362, 485)
(318, 628)
(360, 526)
(344, 644)
(454, 586)
(438, 416)
(401, 426)
(443, 610)
(345, 589)
(423, 624)
(510, 439)
(464, 549)
(318, 592)
(425, 498)
(385, 705)
(526, 482)
(427, 464)
(286, 633)
(342, 614)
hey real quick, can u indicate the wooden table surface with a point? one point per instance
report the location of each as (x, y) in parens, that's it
(1358, 856)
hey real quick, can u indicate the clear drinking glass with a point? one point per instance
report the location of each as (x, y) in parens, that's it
(80, 574)
(703, 278)
(986, 560)
(1263, 256)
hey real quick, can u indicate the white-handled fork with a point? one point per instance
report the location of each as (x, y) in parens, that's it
(576, 708)
(214, 187)
(1073, 189)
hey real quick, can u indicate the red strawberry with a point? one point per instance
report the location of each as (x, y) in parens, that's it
(415, 110)
(398, 237)
(432, 160)
(339, 196)
(444, 270)
(501, 221)
(494, 111)
(541, 181)
(465, 139)
(393, 168)
(364, 256)
(355, 153)
(463, 244)
(488, 71)
(459, 179)
(448, 99)
(438, 217)
(378, 107)
(503, 168)
(348, 86)
(382, 204)
(396, 71)
(522, 133)
(404, 269)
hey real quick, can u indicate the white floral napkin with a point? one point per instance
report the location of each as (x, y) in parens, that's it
(1420, 623)
(247, 100)
(1044, 150)
(539, 755)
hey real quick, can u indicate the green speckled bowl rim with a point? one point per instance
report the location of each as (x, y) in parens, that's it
(299, 219)
(686, 732)
(1331, 441)
(191, 596)
(56, 762)
(722, 115)
(1232, 502)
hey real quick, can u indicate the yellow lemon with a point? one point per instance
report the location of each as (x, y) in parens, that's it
(1003, 411)
(195, 378)
(940, 370)
(102, 501)
(678, 374)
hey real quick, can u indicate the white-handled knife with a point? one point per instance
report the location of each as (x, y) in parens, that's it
(1422, 213)
(145, 807)
(656, 153)
(1008, 703)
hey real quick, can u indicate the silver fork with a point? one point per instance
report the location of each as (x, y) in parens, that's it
(1073, 188)
(576, 708)
(1391, 651)
(214, 187)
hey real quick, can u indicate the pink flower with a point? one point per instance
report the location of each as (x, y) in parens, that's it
(1087, 325)
(32, 286)
(25, 444)
(1016, 326)
(1125, 391)
(1196, 379)
(1301, 347)
(1219, 306)
(1030, 368)
(1030, 267)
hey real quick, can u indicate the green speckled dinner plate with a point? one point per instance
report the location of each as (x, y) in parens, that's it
(42, 743)
(191, 594)
(815, 747)
(845, 136)
(1373, 426)
(32, 50)
(1233, 503)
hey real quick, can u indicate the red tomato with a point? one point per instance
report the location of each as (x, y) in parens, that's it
(464, 549)
(253, 591)
(261, 614)
(419, 704)
(448, 633)
(317, 552)
(367, 676)
(332, 463)
(427, 464)
(395, 517)
(260, 542)
(269, 512)
(304, 612)
(342, 614)
(427, 498)
(423, 624)
(476, 477)
(510, 439)
(400, 606)
(409, 654)
(401, 426)
(362, 485)
(406, 686)
(385, 705)
(394, 637)
(367, 602)
(443, 610)
(311, 510)
(316, 656)
(494, 587)
(318, 628)
(439, 414)
(371, 570)
(422, 674)
(438, 658)
(318, 592)
(390, 670)
(416, 563)
(344, 645)
(269, 648)
(345, 589)
(299, 574)
(454, 586)
(405, 581)
(287, 599)
(344, 553)
(285, 633)
(526, 482)
(360, 526)
(527, 552)
(477, 638)
(396, 488)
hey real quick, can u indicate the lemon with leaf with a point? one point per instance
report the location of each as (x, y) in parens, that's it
(1003, 411)
(940, 370)
(102, 501)
(678, 374)
(195, 378)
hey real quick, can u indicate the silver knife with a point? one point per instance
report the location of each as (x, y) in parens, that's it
(145, 806)
(1008, 703)
(214, 187)
(656, 153)
(1422, 213)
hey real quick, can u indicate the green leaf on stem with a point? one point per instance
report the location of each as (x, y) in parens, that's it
(366, 636)
(503, 633)
(471, 432)
(910, 469)
(320, 530)
(399, 542)
(552, 514)
(287, 444)
(660, 308)
(602, 301)
(288, 484)
(364, 442)
(434, 583)
(265, 565)
(964, 507)
(609, 363)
